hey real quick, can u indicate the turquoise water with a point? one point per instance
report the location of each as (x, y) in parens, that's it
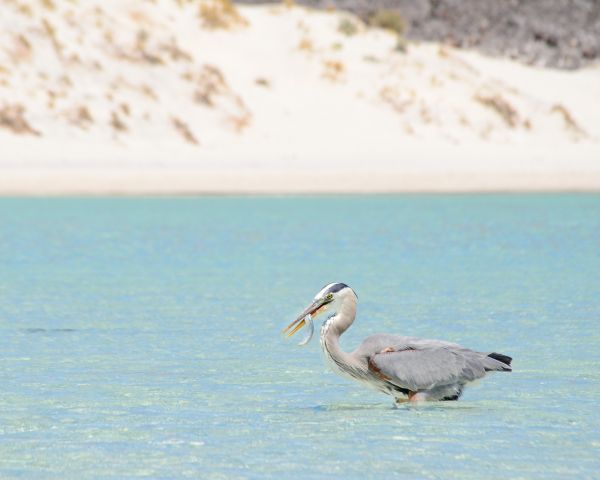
(141, 337)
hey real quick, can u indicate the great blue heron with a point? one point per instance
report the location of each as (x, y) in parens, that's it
(407, 368)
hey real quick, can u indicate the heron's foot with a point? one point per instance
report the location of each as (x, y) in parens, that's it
(388, 350)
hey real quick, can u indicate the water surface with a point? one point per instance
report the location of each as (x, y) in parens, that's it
(140, 337)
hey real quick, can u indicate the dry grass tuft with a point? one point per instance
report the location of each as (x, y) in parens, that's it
(241, 121)
(116, 123)
(443, 52)
(501, 107)
(210, 83)
(81, 117)
(48, 4)
(262, 82)
(25, 9)
(148, 91)
(143, 53)
(51, 33)
(220, 14)
(568, 119)
(306, 44)
(184, 130)
(212, 90)
(334, 70)
(176, 52)
(21, 50)
(399, 102)
(12, 117)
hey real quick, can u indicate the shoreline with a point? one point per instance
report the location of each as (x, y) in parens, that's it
(188, 182)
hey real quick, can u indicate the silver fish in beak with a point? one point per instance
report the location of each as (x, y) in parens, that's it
(305, 318)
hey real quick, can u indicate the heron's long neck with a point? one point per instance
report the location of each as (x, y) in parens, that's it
(332, 330)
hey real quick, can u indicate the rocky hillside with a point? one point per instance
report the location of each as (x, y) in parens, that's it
(552, 33)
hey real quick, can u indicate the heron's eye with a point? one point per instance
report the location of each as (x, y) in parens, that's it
(329, 296)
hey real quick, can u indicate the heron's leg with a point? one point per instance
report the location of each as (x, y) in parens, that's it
(415, 397)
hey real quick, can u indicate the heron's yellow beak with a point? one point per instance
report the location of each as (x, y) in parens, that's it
(313, 309)
(298, 326)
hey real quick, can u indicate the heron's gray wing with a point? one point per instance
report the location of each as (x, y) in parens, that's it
(419, 368)
(376, 343)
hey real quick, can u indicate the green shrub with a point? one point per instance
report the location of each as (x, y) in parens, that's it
(390, 20)
(347, 27)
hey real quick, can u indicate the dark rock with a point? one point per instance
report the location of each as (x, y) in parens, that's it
(551, 33)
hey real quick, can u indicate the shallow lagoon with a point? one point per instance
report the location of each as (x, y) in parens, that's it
(140, 337)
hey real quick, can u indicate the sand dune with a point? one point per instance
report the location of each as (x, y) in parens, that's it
(188, 97)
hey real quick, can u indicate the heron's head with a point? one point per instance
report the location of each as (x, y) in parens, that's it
(331, 299)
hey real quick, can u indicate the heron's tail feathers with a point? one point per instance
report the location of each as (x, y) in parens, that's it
(501, 363)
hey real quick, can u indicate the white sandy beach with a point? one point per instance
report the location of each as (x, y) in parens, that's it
(139, 98)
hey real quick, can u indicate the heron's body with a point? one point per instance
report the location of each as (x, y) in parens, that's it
(404, 367)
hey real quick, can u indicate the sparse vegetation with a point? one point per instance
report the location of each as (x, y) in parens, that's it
(262, 82)
(175, 52)
(80, 117)
(51, 99)
(12, 117)
(217, 14)
(306, 44)
(371, 59)
(65, 81)
(116, 123)
(348, 26)
(210, 82)
(425, 114)
(212, 90)
(241, 121)
(401, 44)
(25, 9)
(501, 107)
(389, 20)
(393, 98)
(148, 91)
(21, 50)
(184, 130)
(49, 4)
(142, 50)
(51, 33)
(334, 69)
(570, 122)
